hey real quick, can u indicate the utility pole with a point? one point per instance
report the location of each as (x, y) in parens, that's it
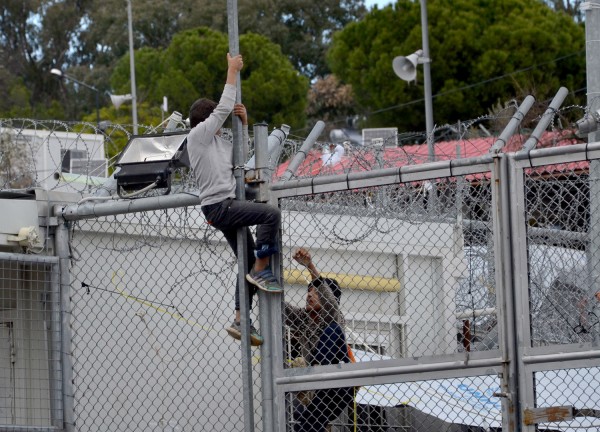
(239, 157)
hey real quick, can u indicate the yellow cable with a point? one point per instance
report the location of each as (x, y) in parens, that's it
(157, 308)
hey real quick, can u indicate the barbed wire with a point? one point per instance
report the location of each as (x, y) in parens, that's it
(35, 153)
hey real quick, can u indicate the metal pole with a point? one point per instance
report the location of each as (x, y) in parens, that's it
(239, 157)
(444, 167)
(318, 380)
(262, 171)
(61, 244)
(501, 199)
(134, 118)
(520, 341)
(306, 146)
(513, 124)
(275, 144)
(427, 81)
(545, 120)
(592, 56)
(266, 319)
(56, 398)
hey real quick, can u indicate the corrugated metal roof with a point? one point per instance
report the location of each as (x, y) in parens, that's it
(358, 159)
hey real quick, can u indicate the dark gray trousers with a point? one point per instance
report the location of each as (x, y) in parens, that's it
(230, 215)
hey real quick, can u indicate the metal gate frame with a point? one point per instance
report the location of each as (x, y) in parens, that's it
(468, 364)
(515, 362)
(537, 359)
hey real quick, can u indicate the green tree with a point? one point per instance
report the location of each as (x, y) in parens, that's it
(35, 35)
(86, 38)
(194, 66)
(14, 96)
(536, 48)
(302, 28)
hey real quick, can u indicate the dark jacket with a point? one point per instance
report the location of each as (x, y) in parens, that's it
(322, 342)
(308, 331)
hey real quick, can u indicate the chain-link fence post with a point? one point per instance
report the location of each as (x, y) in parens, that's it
(239, 157)
(265, 299)
(505, 293)
(61, 244)
(56, 339)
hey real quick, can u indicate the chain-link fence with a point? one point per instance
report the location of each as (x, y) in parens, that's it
(562, 285)
(433, 405)
(152, 297)
(412, 267)
(559, 268)
(31, 390)
(403, 310)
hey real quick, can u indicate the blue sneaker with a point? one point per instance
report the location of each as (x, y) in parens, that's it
(264, 280)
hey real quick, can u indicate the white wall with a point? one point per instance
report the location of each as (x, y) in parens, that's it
(426, 258)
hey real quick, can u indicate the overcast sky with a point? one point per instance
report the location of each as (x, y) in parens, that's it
(380, 3)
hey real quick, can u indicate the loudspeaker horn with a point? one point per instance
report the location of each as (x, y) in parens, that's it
(406, 67)
(117, 100)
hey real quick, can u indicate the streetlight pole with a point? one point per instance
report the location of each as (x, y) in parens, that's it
(132, 70)
(62, 75)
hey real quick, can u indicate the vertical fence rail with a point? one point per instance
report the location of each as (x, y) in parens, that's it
(526, 391)
(64, 256)
(505, 288)
(239, 157)
(55, 357)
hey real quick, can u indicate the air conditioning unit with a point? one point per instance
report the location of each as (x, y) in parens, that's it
(67, 155)
(388, 135)
(383, 337)
(89, 167)
(19, 225)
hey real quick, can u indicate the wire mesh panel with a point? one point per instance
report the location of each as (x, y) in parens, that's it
(561, 226)
(385, 272)
(561, 277)
(152, 297)
(30, 343)
(577, 388)
(413, 281)
(457, 404)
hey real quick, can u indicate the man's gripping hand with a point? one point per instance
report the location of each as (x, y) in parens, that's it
(235, 63)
